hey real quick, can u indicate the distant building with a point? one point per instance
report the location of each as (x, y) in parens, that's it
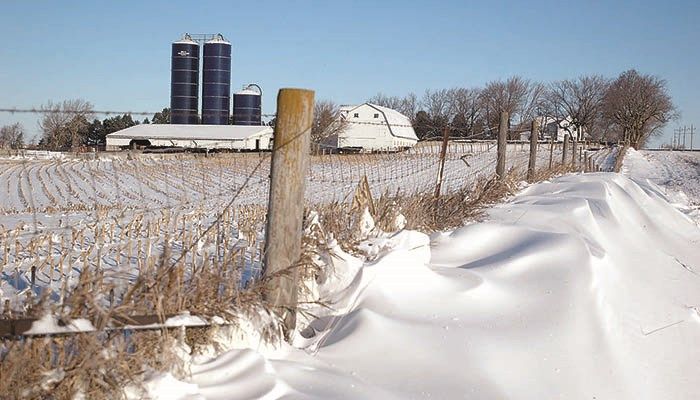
(555, 128)
(369, 127)
(231, 137)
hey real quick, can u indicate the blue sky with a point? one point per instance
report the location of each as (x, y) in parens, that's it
(116, 54)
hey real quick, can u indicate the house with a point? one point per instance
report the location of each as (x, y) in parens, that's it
(551, 127)
(369, 127)
(229, 137)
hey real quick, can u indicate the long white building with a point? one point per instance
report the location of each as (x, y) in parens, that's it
(369, 127)
(231, 137)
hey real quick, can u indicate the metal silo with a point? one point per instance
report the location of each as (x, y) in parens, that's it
(216, 80)
(247, 106)
(184, 81)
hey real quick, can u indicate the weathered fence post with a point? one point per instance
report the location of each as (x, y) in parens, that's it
(551, 151)
(573, 155)
(564, 150)
(534, 135)
(290, 158)
(501, 151)
(441, 167)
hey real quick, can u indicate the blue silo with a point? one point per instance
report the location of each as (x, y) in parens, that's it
(216, 81)
(184, 81)
(247, 106)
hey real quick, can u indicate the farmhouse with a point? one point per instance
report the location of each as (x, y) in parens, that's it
(230, 137)
(555, 128)
(369, 127)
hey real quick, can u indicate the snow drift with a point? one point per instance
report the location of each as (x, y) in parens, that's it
(585, 287)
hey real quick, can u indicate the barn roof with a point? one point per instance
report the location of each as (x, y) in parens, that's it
(399, 124)
(191, 132)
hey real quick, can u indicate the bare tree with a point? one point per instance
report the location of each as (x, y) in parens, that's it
(65, 124)
(578, 101)
(12, 136)
(327, 121)
(510, 96)
(438, 105)
(466, 111)
(637, 106)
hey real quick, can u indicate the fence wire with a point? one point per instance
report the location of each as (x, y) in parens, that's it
(120, 214)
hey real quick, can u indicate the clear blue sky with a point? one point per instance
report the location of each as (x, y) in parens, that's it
(115, 54)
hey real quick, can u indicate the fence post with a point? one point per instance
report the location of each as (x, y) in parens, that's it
(290, 159)
(565, 149)
(551, 151)
(441, 167)
(534, 135)
(501, 151)
(573, 155)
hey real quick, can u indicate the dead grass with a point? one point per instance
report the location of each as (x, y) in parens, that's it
(96, 365)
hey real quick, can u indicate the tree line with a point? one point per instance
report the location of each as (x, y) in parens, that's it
(70, 124)
(632, 107)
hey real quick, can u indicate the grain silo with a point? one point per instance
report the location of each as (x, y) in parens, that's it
(216, 81)
(184, 81)
(247, 106)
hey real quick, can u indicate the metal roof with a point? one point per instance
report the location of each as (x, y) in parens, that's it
(193, 132)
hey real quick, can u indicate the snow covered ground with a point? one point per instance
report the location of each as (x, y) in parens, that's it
(585, 287)
(676, 172)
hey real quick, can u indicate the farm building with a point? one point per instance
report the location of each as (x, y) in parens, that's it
(555, 128)
(369, 127)
(230, 137)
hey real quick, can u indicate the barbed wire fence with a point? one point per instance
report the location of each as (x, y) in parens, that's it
(123, 215)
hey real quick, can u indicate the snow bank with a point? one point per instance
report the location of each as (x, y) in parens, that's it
(674, 173)
(585, 287)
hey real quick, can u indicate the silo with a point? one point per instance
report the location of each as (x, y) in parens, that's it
(216, 81)
(247, 106)
(184, 81)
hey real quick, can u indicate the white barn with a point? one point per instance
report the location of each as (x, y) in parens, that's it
(231, 137)
(369, 127)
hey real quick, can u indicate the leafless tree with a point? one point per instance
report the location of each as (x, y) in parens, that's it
(514, 96)
(64, 124)
(438, 104)
(637, 106)
(12, 136)
(466, 111)
(579, 101)
(327, 121)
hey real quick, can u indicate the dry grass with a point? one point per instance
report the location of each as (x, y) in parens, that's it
(96, 365)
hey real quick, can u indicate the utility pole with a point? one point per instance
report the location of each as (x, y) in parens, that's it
(692, 133)
(685, 131)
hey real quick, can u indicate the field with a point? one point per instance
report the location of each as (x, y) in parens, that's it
(126, 213)
(677, 171)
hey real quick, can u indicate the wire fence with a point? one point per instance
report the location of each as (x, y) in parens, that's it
(120, 213)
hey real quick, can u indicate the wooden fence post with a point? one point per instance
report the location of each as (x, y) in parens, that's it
(565, 149)
(573, 155)
(551, 151)
(290, 158)
(501, 151)
(534, 135)
(441, 167)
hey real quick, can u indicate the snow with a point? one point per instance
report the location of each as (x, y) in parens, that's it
(585, 287)
(676, 172)
(49, 324)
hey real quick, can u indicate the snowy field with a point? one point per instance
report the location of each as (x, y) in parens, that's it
(585, 287)
(117, 212)
(676, 171)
